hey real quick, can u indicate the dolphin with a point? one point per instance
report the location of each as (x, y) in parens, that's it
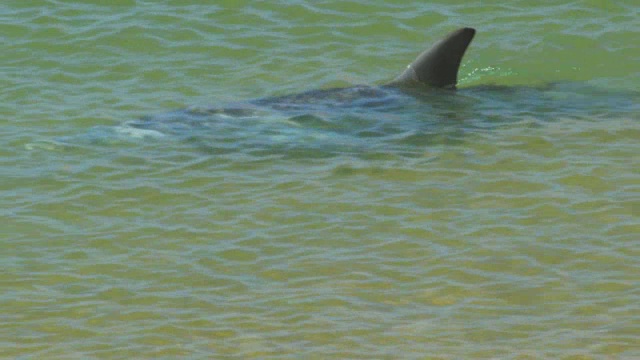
(418, 105)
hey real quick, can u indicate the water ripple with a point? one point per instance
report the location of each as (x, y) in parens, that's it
(509, 231)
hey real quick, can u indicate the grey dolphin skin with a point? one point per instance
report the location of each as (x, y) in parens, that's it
(438, 66)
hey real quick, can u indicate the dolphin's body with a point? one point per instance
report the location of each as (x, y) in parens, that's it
(411, 109)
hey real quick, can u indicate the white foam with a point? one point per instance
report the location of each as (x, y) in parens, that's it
(138, 133)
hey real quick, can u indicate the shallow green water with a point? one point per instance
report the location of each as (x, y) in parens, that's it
(516, 241)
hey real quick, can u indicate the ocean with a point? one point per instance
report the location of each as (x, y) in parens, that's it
(500, 223)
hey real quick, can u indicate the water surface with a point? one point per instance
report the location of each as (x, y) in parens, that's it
(500, 224)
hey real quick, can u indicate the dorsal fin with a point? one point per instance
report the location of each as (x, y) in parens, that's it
(438, 66)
